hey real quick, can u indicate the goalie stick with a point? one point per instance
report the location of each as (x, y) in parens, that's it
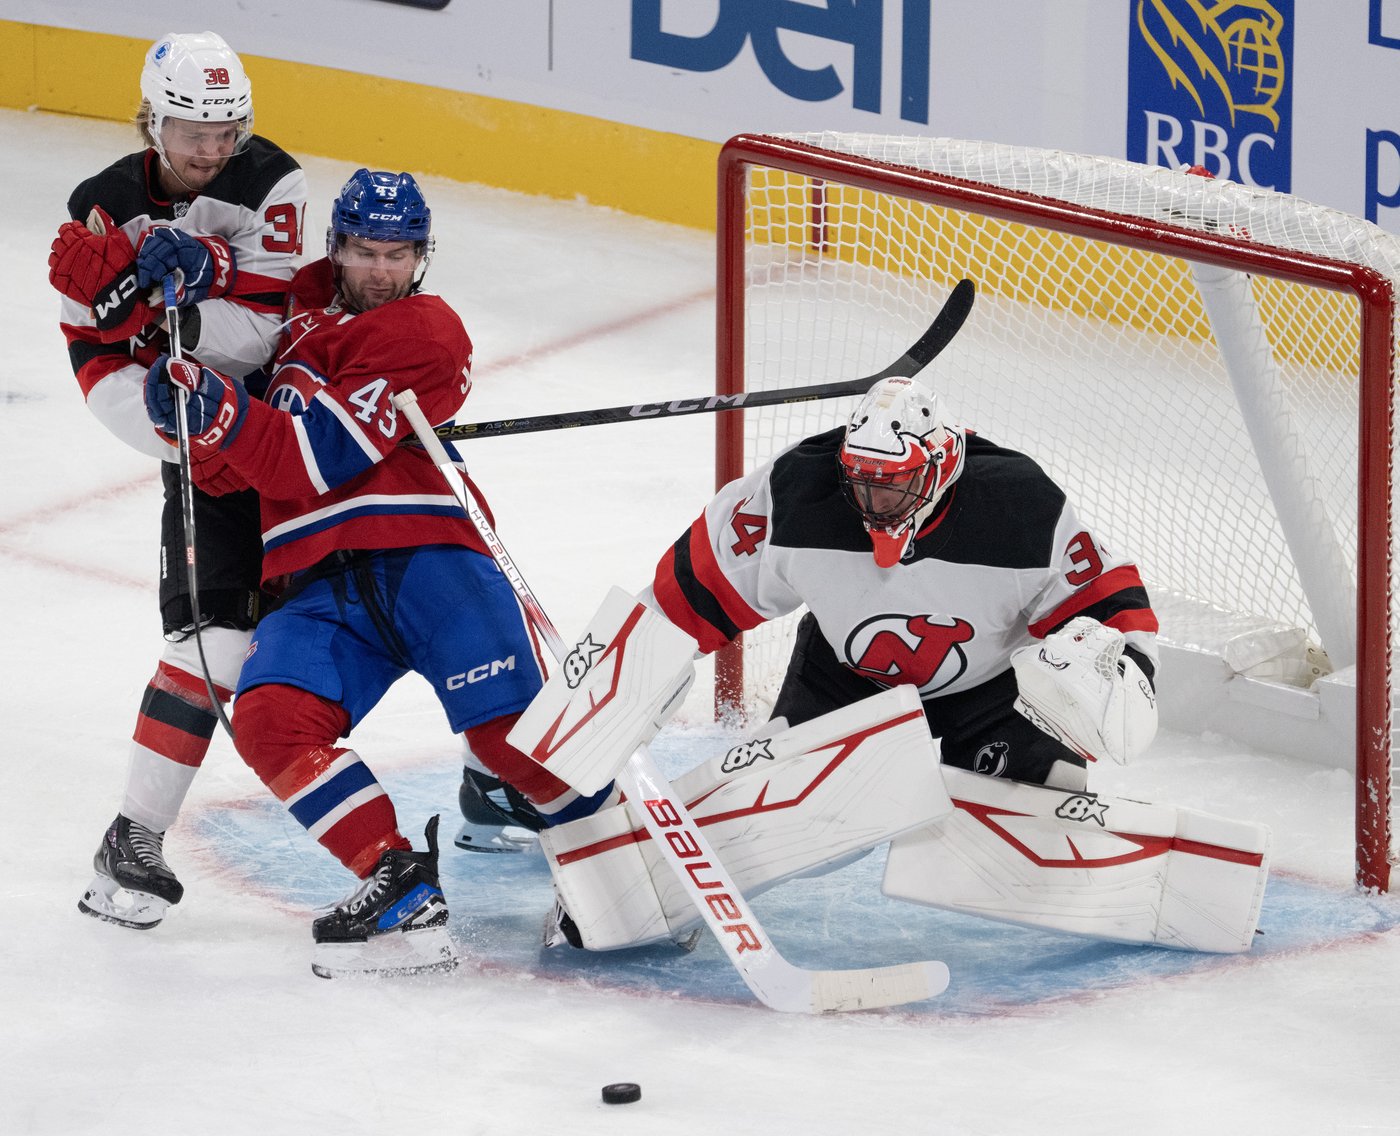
(940, 332)
(776, 982)
(182, 432)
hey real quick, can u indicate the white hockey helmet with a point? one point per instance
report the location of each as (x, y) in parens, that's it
(196, 77)
(898, 458)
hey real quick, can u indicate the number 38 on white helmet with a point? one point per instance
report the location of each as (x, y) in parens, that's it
(898, 459)
(195, 77)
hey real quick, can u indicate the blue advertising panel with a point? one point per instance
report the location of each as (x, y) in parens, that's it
(1211, 84)
(853, 29)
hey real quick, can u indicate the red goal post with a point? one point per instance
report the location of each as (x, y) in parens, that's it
(1208, 369)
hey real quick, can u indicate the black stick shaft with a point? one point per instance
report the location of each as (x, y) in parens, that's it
(940, 333)
(172, 310)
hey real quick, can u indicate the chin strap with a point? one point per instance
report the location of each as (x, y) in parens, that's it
(890, 545)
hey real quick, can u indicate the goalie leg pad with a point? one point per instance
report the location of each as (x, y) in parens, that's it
(772, 808)
(617, 686)
(1090, 865)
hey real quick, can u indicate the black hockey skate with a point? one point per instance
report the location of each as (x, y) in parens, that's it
(133, 885)
(496, 817)
(560, 929)
(395, 922)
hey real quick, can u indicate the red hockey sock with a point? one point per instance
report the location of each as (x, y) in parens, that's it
(287, 736)
(176, 719)
(544, 790)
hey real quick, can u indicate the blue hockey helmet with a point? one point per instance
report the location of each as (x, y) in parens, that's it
(382, 206)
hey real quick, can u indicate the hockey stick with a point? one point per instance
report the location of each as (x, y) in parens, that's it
(182, 433)
(776, 982)
(940, 332)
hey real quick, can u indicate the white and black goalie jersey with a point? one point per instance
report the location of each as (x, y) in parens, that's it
(1002, 561)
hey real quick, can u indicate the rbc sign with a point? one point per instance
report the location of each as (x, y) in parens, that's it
(1212, 85)
(855, 24)
(1382, 146)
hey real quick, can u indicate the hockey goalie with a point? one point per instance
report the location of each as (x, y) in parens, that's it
(971, 649)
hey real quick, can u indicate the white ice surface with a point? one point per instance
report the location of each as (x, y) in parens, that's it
(213, 1023)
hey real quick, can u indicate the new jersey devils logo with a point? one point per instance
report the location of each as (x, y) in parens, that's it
(912, 650)
(991, 759)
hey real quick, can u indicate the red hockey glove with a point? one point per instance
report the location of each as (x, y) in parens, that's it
(214, 475)
(95, 264)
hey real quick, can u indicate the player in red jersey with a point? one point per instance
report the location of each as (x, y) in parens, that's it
(379, 570)
(221, 209)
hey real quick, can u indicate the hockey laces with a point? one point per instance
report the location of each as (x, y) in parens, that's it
(369, 889)
(148, 846)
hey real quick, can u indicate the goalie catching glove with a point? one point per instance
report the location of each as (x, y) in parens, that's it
(214, 407)
(1080, 688)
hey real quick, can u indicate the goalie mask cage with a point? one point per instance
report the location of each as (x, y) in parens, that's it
(1207, 369)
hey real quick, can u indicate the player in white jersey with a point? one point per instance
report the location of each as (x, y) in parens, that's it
(220, 209)
(950, 586)
(926, 556)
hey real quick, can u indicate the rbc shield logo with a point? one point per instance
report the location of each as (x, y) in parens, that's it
(1210, 83)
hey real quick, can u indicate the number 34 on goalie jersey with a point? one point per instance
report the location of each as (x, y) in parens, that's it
(1004, 559)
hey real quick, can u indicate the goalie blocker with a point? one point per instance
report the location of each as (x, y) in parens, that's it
(621, 681)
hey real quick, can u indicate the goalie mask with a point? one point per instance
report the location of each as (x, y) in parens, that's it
(195, 77)
(897, 460)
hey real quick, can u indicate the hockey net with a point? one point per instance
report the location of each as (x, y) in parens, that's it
(1207, 369)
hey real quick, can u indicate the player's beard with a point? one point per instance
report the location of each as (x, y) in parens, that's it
(365, 296)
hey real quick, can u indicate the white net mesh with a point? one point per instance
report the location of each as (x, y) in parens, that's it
(1098, 360)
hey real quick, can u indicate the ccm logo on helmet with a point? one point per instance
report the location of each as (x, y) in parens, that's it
(481, 673)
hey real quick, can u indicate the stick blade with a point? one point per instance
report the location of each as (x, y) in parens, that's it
(782, 986)
(838, 991)
(940, 333)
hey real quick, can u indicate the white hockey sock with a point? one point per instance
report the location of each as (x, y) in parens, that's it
(155, 788)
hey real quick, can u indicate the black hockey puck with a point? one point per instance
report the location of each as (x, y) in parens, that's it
(624, 1092)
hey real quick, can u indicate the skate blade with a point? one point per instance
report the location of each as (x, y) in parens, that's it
(509, 838)
(425, 951)
(107, 900)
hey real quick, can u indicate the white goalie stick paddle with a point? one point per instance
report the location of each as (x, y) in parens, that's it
(776, 982)
(940, 332)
